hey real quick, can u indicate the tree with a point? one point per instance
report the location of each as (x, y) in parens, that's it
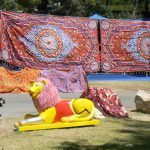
(146, 8)
(71, 8)
(84, 8)
(135, 8)
(8, 5)
(1, 4)
(28, 5)
(95, 6)
(43, 7)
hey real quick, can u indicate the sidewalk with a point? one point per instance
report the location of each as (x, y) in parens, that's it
(18, 105)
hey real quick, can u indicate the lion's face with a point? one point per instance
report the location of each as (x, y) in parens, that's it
(36, 89)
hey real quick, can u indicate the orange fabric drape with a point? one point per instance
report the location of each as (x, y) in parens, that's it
(16, 81)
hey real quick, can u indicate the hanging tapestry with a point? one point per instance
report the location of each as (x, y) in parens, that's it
(45, 42)
(0, 31)
(16, 81)
(71, 79)
(125, 45)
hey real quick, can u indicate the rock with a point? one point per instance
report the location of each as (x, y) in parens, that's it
(142, 101)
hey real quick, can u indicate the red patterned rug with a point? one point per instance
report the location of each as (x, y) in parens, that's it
(125, 45)
(44, 42)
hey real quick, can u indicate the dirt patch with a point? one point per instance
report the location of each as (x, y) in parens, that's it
(6, 126)
(135, 115)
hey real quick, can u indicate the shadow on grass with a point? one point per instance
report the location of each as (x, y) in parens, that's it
(108, 146)
(139, 136)
(77, 145)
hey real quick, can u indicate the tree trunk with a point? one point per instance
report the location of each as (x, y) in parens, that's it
(135, 8)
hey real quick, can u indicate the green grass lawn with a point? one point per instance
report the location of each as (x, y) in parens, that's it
(122, 85)
(112, 134)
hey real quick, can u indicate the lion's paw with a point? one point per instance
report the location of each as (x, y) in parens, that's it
(65, 119)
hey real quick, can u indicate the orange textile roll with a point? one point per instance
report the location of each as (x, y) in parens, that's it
(16, 81)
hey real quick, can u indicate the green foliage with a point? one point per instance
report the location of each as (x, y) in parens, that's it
(71, 8)
(27, 5)
(97, 7)
(2, 2)
(8, 5)
(84, 8)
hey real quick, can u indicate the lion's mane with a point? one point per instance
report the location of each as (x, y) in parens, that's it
(48, 97)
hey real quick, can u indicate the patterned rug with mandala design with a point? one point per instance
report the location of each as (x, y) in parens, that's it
(45, 42)
(125, 45)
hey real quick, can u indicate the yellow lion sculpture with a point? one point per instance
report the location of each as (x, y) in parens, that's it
(52, 109)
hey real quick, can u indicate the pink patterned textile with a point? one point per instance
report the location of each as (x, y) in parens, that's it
(46, 42)
(71, 80)
(106, 101)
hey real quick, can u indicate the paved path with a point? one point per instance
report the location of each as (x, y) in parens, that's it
(17, 105)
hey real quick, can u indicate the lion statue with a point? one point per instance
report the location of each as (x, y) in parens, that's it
(53, 109)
